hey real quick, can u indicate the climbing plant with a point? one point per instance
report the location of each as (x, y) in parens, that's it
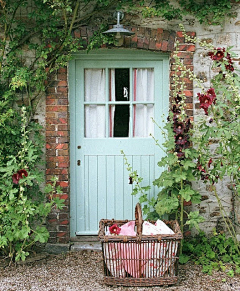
(206, 12)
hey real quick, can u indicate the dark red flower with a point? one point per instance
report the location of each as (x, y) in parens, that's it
(217, 56)
(178, 99)
(188, 125)
(114, 229)
(176, 110)
(180, 154)
(210, 162)
(207, 99)
(180, 139)
(22, 173)
(229, 67)
(178, 127)
(201, 169)
(15, 178)
(19, 175)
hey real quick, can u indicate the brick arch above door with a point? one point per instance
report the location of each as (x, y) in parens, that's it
(57, 112)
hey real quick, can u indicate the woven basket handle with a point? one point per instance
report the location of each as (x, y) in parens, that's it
(138, 217)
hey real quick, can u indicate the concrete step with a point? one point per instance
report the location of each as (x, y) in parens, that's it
(86, 246)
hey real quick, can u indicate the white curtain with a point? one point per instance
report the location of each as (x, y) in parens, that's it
(143, 90)
(112, 97)
(95, 113)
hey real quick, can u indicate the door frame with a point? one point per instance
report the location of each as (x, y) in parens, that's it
(102, 54)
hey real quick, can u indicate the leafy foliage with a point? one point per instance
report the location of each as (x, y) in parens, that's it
(23, 207)
(207, 12)
(216, 252)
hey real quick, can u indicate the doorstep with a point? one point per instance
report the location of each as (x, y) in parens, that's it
(85, 243)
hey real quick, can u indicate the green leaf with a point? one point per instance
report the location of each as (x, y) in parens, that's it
(183, 259)
(187, 193)
(194, 218)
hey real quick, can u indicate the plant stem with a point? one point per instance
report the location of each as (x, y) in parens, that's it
(181, 214)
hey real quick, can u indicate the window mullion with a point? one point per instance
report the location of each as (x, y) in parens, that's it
(107, 101)
(131, 103)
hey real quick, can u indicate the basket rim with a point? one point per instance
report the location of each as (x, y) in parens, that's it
(139, 237)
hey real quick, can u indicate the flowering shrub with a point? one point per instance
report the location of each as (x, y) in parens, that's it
(23, 207)
(218, 138)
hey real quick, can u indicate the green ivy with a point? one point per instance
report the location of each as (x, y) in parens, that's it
(206, 12)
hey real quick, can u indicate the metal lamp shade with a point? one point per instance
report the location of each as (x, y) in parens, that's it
(118, 28)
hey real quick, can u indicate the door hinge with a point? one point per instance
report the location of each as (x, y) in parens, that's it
(78, 162)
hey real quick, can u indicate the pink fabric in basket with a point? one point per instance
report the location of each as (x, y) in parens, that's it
(135, 257)
(128, 229)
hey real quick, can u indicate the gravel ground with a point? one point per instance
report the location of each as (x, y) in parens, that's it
(84, 271)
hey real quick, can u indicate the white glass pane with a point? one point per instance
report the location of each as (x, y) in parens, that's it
(94, 85)
(95, 121)
(143, 84)
(143, 125)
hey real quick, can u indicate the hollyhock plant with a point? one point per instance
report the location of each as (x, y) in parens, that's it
(114, 229)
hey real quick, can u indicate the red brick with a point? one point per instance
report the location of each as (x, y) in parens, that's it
(62, 127)
(188, 93)
(63, 165)
(63, 184)
(62, 70)
(62, 101)
(135, 39)
(179, 34)
(62, 133)
(164, 45)
(57, 108)
(62, 83)
(51, 101)
(63, 152)
(61, 234)
(152, 44)
(50, 127)
(62, 89)
(48, 146)
(63, 120)
(60, 146)
(158, 45)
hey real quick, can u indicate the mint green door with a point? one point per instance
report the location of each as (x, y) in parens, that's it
(114, 96)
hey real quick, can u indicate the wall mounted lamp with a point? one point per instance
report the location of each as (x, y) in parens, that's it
(118, 29)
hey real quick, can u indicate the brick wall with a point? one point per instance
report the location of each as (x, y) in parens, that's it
(57, 113)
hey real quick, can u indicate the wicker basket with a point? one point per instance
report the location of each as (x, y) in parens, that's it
(141, 260)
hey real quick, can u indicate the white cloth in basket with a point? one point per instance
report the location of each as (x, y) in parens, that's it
(162, 253)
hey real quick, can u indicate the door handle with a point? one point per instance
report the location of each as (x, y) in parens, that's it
(78, 162)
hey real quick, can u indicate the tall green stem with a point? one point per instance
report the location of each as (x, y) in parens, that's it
(181, 214)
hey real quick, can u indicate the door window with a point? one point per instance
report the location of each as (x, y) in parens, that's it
(121, 107)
